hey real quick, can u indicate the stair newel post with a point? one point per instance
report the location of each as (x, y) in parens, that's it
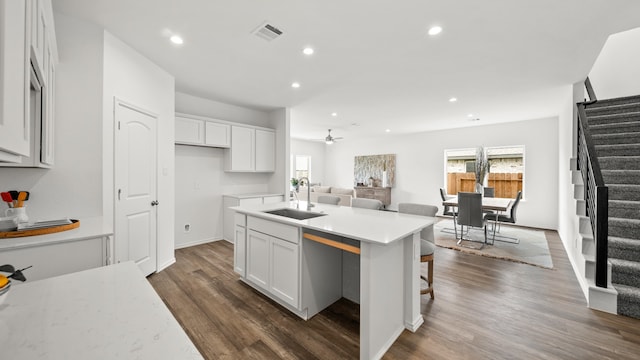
(602, 231)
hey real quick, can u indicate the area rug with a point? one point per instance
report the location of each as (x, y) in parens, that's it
(532, 248)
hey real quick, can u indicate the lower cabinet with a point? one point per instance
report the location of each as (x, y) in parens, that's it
(59, 258)
(239, 250)
(273, 259)
(284, 257)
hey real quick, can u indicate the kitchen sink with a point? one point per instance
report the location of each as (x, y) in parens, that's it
(294, 214)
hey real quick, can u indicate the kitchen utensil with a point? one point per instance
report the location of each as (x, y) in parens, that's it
(6, 197)
(14, 196)
(22, 196)
(8, 268)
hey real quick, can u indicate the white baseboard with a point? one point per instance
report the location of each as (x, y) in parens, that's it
(197, 242)
(166, 264)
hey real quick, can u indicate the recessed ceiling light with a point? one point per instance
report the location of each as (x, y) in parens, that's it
(176, 40)
(474, 119)
(307, 51)
(334, 114)
(453, 99)
(387, 130)
(435, 30)
(470, 115)
(295, 85)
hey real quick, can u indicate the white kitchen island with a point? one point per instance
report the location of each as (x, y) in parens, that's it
(275, 255)
(110, 312)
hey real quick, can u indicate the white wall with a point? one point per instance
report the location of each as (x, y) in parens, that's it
(616, 71)
(420, 169)
(136, 80)
(316, 150)
(200, 177)
(73, 187)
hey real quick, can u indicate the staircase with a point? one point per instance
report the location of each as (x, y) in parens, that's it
(615, 128)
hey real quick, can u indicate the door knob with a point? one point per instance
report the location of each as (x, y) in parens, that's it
(154, 203)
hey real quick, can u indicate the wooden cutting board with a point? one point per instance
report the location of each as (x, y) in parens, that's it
(50, 230)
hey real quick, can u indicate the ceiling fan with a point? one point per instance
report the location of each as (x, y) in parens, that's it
(330, 139)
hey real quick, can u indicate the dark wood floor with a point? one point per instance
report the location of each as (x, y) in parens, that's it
(484, 309)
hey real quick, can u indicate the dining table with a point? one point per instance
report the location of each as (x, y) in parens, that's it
(499, 205)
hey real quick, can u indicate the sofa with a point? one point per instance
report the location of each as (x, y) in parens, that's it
(345, 194)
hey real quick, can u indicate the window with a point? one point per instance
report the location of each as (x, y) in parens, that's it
(302, 167)
(506, 170)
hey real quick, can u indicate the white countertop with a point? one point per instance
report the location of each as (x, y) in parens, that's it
(252, 195)
(110, 312)
(90, 228)
(382, 227)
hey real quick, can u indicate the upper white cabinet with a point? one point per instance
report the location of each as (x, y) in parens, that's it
(242, 154)
(14, 80)
(29, 59)
(265, 150)
(217, 134)
(252, 150)
(195, 130)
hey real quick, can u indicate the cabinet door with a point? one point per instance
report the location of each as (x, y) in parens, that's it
(217, 135)
(258, 258)
(189, 131)
(239, 250)
(48, 115)
(265, 151)
(14, 79)
(284, 276)
(242, 149)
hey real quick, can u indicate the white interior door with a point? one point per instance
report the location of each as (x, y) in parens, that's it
(135, 185)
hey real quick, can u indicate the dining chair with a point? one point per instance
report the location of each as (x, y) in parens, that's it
(470, 214)
(489, 192)
(328, 199)
(449, 211)
(511, 219)
(372, 204)
(427, 240)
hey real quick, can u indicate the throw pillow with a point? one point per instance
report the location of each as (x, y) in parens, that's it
(322, 189)
(340, 191)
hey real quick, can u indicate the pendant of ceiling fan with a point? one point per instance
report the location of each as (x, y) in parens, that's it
(330, 139)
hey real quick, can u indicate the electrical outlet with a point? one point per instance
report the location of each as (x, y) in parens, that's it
(187, 228)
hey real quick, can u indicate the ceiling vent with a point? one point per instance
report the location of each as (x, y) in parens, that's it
(267, 31)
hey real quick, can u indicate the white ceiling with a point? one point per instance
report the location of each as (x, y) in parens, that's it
(374, 63)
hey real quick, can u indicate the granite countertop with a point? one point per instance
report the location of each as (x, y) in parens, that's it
(381, 227)
(110, 312)
(90, 228)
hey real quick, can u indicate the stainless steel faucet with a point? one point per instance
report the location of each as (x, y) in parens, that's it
(308, 183)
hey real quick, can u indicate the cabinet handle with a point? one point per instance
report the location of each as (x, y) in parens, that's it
(154, 203)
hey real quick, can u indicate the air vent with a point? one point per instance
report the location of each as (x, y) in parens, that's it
(267, 31)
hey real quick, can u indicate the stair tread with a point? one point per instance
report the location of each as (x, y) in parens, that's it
(635, 221)
(627, 134)
(615, 125)
(624, 241)
(628, 289)
(625, 185)
(626, 264)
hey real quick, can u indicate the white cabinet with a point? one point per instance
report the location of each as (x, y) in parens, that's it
(58, 259)
(284, 276)
(14, 80)
(38, 98)
(195, 130)
(242, 200)
(265, 151)
(189, 131)
(241, 155)
(240, 245)
(258, 258)
(217, 134)
(252, 150)
(273, 259)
